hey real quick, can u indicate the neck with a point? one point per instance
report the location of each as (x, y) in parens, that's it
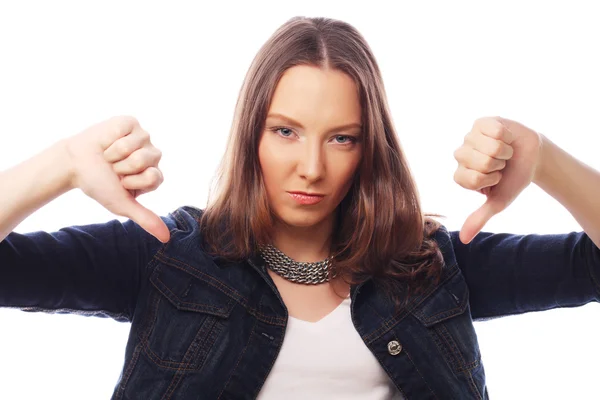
(304, 244)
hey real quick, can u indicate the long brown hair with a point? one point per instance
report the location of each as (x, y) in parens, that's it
(381, 232)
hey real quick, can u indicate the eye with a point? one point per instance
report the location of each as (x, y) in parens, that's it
(283, 131)
(344, 139)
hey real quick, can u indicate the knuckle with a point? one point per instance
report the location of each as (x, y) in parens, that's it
(497, 130)
(155, 155)
(497, 149)
(137, 161)
(144, 136)
(151, 173)
(459, 179)
(118, 130)
(129, 120)
(161, 177)
(457, 176)
(489, 163)
(478, 122)
(497, 177)
(124, 124)
(475, 180)
(118, 168)
(122, 148)
(510, 151)
(456, 154)
(126, 181)
(154, 178)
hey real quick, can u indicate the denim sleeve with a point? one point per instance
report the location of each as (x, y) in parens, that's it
(90, 270)
(513, 274)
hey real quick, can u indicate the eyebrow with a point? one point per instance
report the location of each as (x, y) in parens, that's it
(299, 125)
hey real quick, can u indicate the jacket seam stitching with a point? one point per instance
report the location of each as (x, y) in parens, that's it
(590, 266)
(238, 361)
(391, 322)
(204, 277)
(219, 286)
(419, 372)
(129, 371)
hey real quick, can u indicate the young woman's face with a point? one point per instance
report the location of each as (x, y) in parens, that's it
(311, 144)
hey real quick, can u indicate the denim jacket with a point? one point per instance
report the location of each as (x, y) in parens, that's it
(202, 328)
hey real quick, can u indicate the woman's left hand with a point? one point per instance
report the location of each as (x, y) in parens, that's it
(498, 158)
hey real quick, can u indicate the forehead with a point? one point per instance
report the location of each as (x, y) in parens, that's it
(317, 97)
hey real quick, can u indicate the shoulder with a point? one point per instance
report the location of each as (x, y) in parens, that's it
(443, 236)
(186, 246)
(184, 219)
(190, 234)
(185, 257)
(185, 227)
(446, 242)
(188, 230)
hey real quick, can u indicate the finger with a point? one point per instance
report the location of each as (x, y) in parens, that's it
(477, 220)
(475, 180)
(125, 146)
(116, 128)
(473, 159)
(495, 128)
(486, 190)
(138, 161)
(489, 146)
(146, 219)
(146, 181)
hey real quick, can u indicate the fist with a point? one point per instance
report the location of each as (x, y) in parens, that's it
(113, 162)
(498, 158)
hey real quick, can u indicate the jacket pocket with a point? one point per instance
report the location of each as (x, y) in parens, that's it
(446, 315)
(186, 315)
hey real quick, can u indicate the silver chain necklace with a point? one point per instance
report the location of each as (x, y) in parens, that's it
(311, 273)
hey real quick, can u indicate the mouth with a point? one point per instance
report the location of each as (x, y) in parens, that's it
(307, 194)
(306, 198)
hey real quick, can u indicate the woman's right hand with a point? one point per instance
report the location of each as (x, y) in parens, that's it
(113, 162)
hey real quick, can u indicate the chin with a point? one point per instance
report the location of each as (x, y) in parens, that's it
(301, 219)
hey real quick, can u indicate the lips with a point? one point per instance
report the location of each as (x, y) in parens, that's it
(307, 194)
(306, 198)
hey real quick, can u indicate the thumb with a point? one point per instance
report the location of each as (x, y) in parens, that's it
(477, 220)
(145, 218)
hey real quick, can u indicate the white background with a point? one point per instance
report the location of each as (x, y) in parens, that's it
(178, 68)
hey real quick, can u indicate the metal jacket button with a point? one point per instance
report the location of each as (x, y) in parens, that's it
(394, 347)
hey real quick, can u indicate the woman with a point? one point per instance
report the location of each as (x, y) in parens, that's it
(313, 272)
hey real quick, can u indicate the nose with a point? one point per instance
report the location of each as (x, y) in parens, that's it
(311, 162)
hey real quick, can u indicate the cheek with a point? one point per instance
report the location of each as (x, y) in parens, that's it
(345, 183)
(271, 165)
(265, 165)
(345, 175)
(339, 189)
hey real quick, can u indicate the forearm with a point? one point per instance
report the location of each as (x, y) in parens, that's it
(31, 184)
(574, 184)
(513, 274)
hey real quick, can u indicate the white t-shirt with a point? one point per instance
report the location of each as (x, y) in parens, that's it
(327, 359)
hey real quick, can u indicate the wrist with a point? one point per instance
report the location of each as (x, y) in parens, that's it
(541, 168)
(63, 153)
